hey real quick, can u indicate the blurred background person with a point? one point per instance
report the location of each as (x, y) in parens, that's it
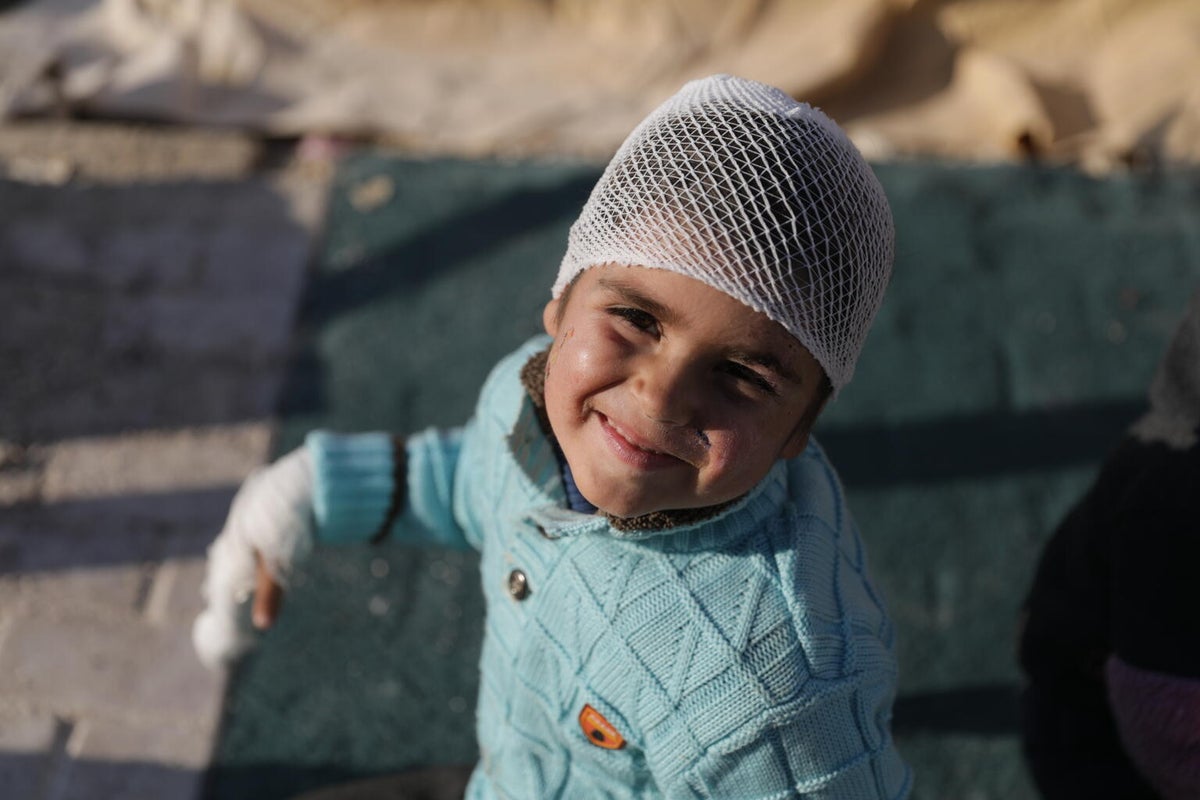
(1111, 637)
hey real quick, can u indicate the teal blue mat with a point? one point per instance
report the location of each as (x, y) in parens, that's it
(1026, 314)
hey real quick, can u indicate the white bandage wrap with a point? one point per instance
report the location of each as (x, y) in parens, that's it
(272, 514)
(737, 185)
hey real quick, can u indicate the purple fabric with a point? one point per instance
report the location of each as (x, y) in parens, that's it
(1158, 716)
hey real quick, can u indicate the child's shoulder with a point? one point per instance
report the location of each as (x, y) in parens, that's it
(503, 387)
(509, 367)
(814, 488)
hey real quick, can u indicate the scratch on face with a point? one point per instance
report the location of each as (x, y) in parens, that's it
(557, 347)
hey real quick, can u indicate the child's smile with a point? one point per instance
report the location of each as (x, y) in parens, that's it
(634, 449)
(665, 393)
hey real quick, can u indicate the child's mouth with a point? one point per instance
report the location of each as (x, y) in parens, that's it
(633, 450)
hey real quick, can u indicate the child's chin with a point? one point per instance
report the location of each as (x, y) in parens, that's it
(622, 502)
(621, 507)
(628, 508)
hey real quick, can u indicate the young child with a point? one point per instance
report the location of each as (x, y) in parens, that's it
(677, 598)
(1111, 640)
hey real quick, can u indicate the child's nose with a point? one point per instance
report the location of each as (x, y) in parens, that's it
(666, 391)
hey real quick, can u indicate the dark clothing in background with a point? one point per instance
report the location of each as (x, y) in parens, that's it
(1120, 578)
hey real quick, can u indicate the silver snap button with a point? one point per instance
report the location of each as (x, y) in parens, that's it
(518, 585)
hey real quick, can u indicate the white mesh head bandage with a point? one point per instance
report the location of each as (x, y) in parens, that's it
(736, 184)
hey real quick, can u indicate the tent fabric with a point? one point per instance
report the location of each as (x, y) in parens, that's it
(1100, 83)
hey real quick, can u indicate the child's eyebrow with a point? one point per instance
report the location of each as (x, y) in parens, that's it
(635, 298)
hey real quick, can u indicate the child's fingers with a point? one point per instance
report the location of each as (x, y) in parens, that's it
(268, 595)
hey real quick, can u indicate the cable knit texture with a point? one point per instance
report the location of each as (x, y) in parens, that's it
(746, 655)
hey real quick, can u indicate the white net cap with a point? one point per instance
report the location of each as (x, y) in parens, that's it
(734, 183)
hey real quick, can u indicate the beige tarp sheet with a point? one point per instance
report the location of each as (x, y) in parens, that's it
(1093, 82)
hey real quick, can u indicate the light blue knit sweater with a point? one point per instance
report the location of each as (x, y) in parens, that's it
(746, 656)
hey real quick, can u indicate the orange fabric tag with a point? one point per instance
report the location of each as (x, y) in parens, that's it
(598, 730)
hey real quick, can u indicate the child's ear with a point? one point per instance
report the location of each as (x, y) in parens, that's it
(550, 316)
(798, 438)
(796, 443)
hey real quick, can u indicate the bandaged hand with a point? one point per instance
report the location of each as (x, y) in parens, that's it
(269, 531)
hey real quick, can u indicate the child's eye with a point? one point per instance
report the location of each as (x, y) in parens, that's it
(642, 320)
(751, 377)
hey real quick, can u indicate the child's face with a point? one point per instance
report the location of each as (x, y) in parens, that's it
(665, 393)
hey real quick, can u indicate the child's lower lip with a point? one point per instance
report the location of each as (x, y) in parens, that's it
(630, 453)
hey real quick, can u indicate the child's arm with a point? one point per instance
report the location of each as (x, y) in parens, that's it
(268, 530)
(372, 486)
(336, 489)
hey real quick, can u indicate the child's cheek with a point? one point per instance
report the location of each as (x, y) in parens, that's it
(557, 349)
(722, 450)
(586, 356)
(729, 451)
